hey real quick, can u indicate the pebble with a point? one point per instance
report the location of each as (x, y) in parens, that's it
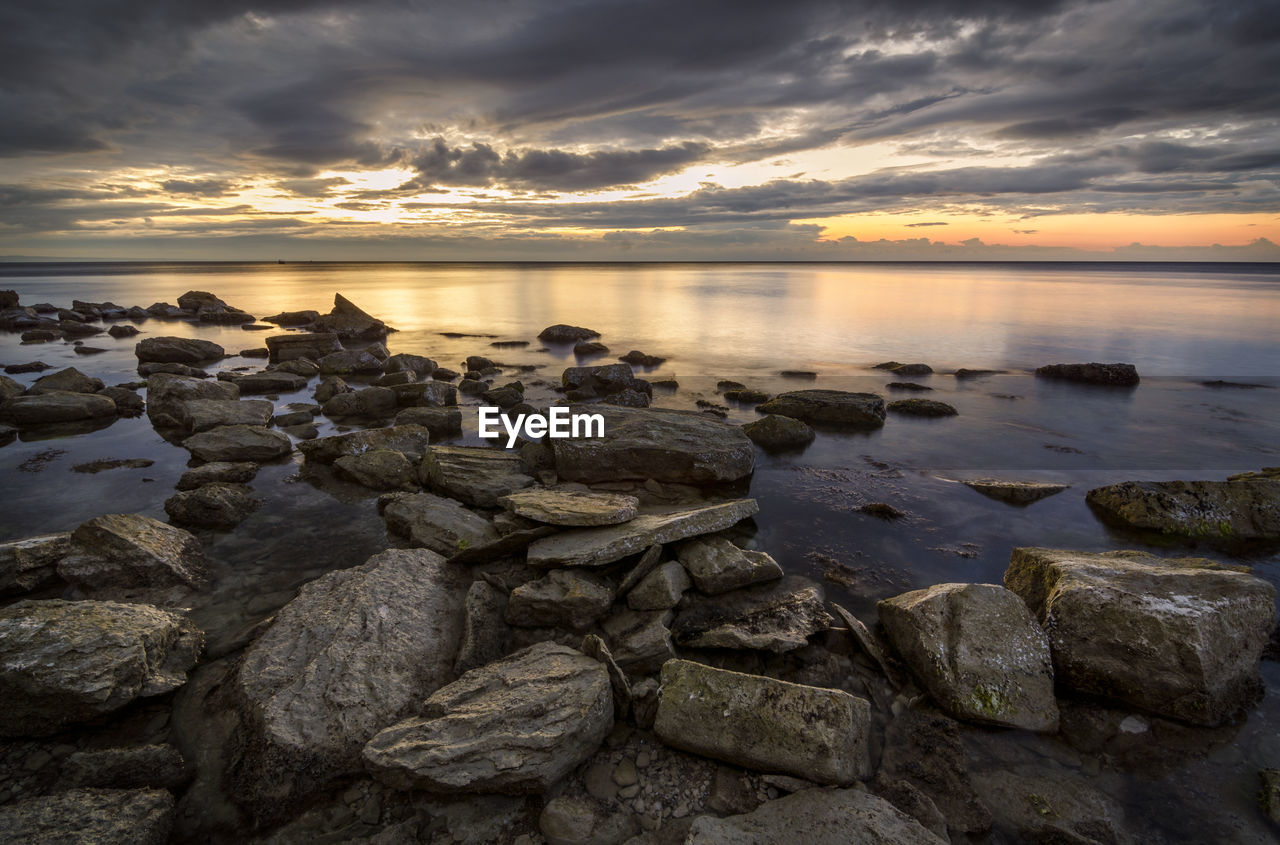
(629, 791)
(37, 761)
(643, 759)
(371, 811)
(625, 774)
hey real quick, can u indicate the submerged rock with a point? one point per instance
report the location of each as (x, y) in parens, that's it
(518, 725)
(178, 350)
(773, 617)
(830, 407)
(1019, 493)
(355, 651)
(1221, 511)
(717, 566)
(922, 408)
(815, 817)
(99, 816)
(476, 475)
(69, 380)
(215, 505)
(131, 550)
(293, 318)
(571, 507)
(218, 471)
(239, 443)
(1039, 806)
(1124, 375)
(925, 749)
(442, 423)
(372, 402)
(63, 662)
(763, 724)
(1179, 637)
(774, 433)
(977, 651)
(434, 522)
(270, 381)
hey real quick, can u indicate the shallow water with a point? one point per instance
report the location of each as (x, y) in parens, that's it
(1180, 324)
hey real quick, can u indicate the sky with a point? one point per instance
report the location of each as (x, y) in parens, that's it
(640, 130)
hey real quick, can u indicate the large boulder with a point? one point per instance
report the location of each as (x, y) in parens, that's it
(349, 322)
(607, 543)
(311, 345)
(815, 817)
(763, 724)
(668, 446)
(776, 617)
(409, 440)
(198, 415)
(1179, 637)
(978, 652)
(369, 403)
(98, 816)
(476, 475)
(1123, 375)
(239, 443)
(63, 662)
(69, 380)
(575, 508)
(1221, 511)
(46, 408)
(356, 650)
(518, 725)
(828, 407)
(178, 350)
(31, 563)
(131, 550)
(434, 522)
(167, 393)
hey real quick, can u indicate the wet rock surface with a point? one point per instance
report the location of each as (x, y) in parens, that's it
(1018, 493)
(776, 617)
(571, 507)
(233, 443)
(829, 407)
(131, 550)
(1221, 511)
(474, 475)
(1122, 375)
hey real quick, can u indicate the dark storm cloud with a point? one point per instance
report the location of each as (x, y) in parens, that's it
(197, 187)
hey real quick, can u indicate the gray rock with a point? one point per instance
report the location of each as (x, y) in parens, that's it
(484, 628)
(168, 393)
(581, 820)
(1269, 795)
(1217, 511)
(1038, 806)
(312, 345)
(153, 368)
(571, 507)
(356, 650)
(69, 380)
(158, 766)
(178, 350)
(560, 599)
(774, 433)
(198, 415)
(518, 725)
(331, 387)
(717, 566)
(1179, 637)
(63, 662)
(239, 443)
(640, 641)
(349, 362)
(661, 589)
(476, 475)
(442, 525)
(378, 469)
(131, 550)
(830, 407)
(56, 408)
(98, 816)
(607, 543)
(443, 423)
(371, 402)
(776, 617)
(815, 817)
(426, 394)
(292, 418)
(409, 440)
(214, 505)
(9, 388)
(349, 322)
(31, 563)
(647, 563)
(417, 364)
(764, 724)
(977, 651)
(269, 381)
(561, 333)
(684, 447)
(1124, 375)
(218, 471)
(304, 367)
(922, 408)
(128, 403)
(1019, 493)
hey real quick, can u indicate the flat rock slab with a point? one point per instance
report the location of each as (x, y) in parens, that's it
(978, 652)
(829, 407)
(100, 816)
(571, 507)
(355, 651)
(63, 662)
(198, 415)
(684, 447)
(476, 475)
(273, 381)
(605, 544)
(519, 725)
(815, 817)
(1179, 637)
(434, 522)
(763, 724)
(1019, 493)
(776, 617)
(409, 440)
(178, 350)
(56, 407)
(131, 550)
(239, 443)
(312, 345)
(717, 566)
(1220, 511)
(219, 471)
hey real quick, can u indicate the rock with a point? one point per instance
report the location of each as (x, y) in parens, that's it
(426, 394)
(436, 523)
(717, 566)
(763, 724)
(95, 467)
(128, 403)
(100, 816)
(131, 550)
(31, 563)
(925, 750)
(349, 322)
(331, 387)
(661, 589)
(239, 443)
(640, 641)
(165, 311)
(349, 362)
(9, 389)
(907, 369)
(472, 387)
(640, 359)
(419, 365)
(194, 300)
(304, 367)
(293, 318)
(775, 433)
(369, 403)
(1018, 493)
(580, 820)
(69, 380)
(45, 408)
(30, 367)
(908, 386)
(63, 662)
(604, 380)
(914, 803)
(476, 475)
(1221, 511)
(1180, 637)
(561, 333)
(560, 599)
(977, 651)
(292, 418)
(150, 369)
(1041, 807)
(445, 374)
(311, 345)
(1113, 374)
(773, 617)
(830, 407)
(357, 650)
(442, 423)
(815, 817)
(167, 394)
(747, 397)
(8, 299)
(178, 350)
(218, 471)
(378, 469)
(587, 348)
(271, 381)
(1269, 795)
(409, 440)
(605, 544)
(571, 507)
(159, 766)
(519, 725)
(922, 408)
(484, 628)
(199, 415)
(394, 379)
(255, 352)
(215, 505)
(668, 446)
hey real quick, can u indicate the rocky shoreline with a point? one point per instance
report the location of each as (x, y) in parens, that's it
(577, 640)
